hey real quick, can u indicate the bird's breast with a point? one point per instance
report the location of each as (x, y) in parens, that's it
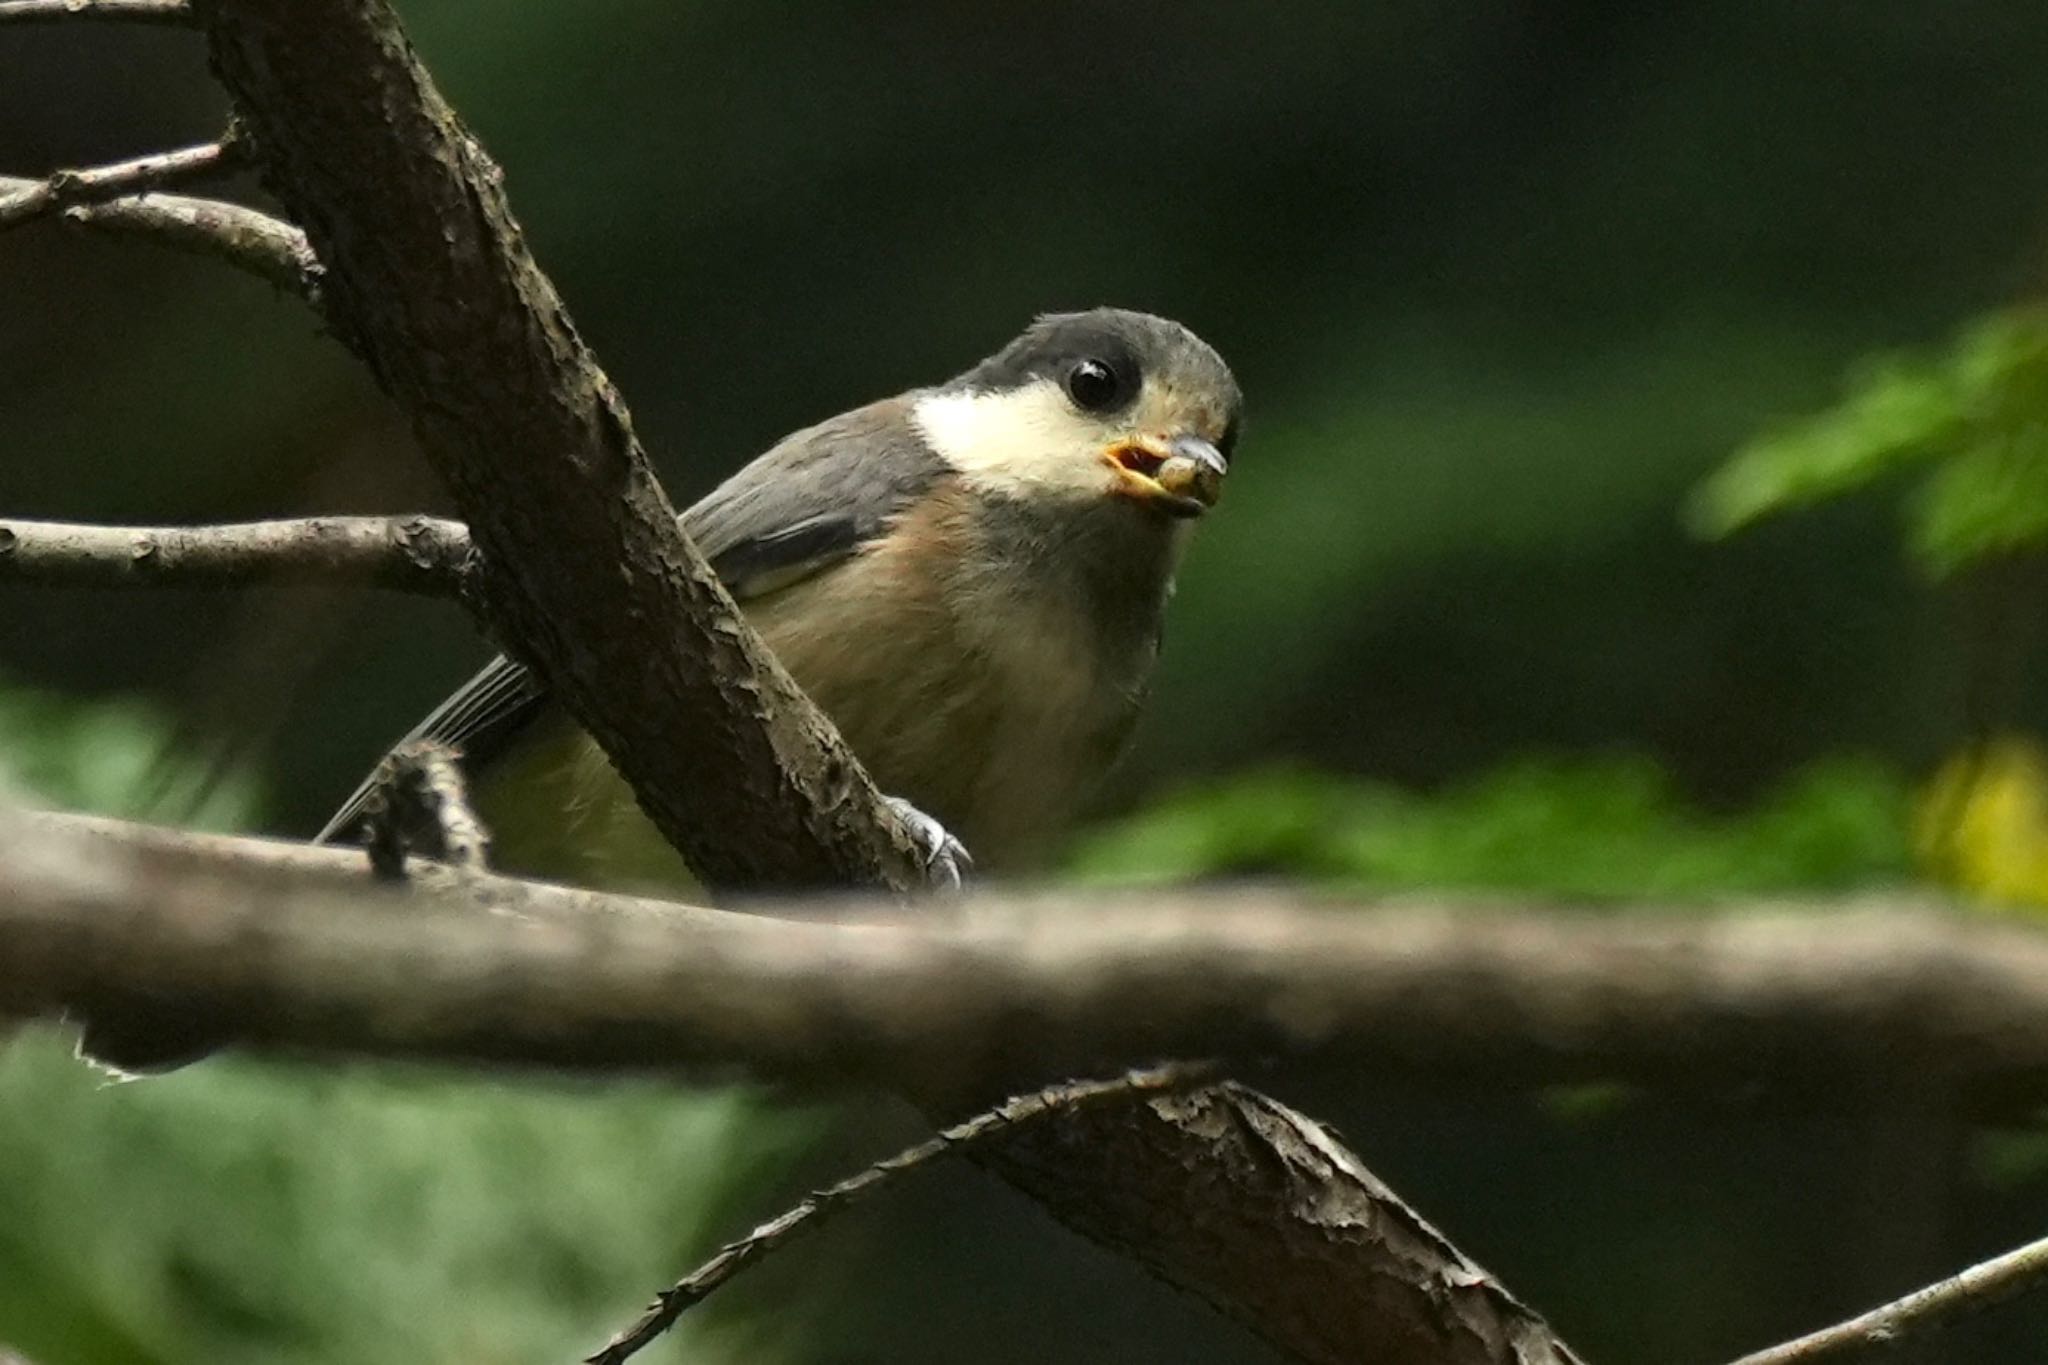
(970, 668)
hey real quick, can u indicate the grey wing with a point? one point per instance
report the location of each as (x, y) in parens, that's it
(812, 500)
(808, 503)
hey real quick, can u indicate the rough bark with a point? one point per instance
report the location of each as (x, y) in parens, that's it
(1220, 1190)
(293, 946)
(423, 555)
(429, 281)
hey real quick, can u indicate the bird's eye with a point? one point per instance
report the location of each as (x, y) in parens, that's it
(1094, 386)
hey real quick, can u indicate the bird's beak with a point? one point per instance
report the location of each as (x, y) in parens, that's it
(1181, 475)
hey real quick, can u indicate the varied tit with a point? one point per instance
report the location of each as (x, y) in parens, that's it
(969, 579)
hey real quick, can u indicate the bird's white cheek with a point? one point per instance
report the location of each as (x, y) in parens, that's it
(1023, 441)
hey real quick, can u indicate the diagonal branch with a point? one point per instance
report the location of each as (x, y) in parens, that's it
(423, 555)
(431, 283)
(93, 184)
(1981, 1286)
(175, 13)
(821, 1206)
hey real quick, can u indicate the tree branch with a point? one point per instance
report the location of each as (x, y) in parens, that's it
(821, 1205)
(168, 12)
(425, 555)
(430, 282)
(266, 247)
(92, 184)
(1982, 1286)
(289, 946)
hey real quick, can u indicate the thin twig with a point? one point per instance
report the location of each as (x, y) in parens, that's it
(93, 184)
(245, 238)
(821, 1205)
(1970, 1291)
(423, 555)
(174, 13)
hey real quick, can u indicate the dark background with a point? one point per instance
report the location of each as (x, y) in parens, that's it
(1502, 282)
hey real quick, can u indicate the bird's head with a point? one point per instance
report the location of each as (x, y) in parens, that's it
(1106, 404)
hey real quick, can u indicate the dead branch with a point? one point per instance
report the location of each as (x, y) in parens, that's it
(1981, 1286)
(820, 1206)
(169, 12)
(425, 555)
(91, 184)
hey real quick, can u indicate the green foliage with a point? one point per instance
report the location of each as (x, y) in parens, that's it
(115, 758)
(262, 1213)
(1976, 414)
(1580, 827)
(244, 1212)
(1989, 499)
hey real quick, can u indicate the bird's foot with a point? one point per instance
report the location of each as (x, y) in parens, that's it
(946, 860)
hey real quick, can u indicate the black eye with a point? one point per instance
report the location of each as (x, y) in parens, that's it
(1094, 386)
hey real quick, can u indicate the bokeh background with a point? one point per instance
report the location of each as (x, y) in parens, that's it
(1507, 285)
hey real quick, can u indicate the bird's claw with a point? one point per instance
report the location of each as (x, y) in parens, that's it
(946, 860)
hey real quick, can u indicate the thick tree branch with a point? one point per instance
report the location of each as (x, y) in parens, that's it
(284, 945)
(425, 555)
(175, 13)
(1982, 1286)
(430, 281)
(92, 184)
(290, 945)
(820, 1206)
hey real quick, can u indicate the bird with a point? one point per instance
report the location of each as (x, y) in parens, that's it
(970, 579)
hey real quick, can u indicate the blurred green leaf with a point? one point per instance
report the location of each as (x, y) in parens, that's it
(243, 1212)
(1896, 413)
(1603, 827)
(1977, 414)
(116, 758)
(1988, 500)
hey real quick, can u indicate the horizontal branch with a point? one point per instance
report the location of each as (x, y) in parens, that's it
(414, 554)
(290, 946)
(1009, 988)
(169, 12)
(91, 184)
